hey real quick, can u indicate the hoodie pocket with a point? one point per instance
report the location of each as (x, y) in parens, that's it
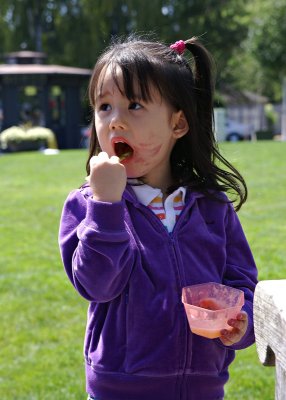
(208, 357)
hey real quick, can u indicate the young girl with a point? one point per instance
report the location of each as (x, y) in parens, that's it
(152, 219)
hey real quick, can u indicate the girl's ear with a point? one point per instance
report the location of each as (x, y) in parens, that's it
(179, 124)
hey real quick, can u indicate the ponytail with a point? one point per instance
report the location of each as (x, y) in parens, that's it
(203, 77)
(207, 175)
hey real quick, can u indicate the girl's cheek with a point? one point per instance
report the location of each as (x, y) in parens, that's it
(149, 150)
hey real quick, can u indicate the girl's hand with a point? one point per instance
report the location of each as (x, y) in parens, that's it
(239, 325)
(107, 178)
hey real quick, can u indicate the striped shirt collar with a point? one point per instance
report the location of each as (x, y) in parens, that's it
(145, 193)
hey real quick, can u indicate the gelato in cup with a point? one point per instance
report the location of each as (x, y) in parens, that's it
(209, 306)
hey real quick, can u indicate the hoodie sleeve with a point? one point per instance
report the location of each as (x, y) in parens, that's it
(241, 271)
(96, 246)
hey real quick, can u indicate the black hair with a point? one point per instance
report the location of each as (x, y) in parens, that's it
(187, 84)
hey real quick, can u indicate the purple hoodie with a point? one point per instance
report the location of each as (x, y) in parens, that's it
(120, 257)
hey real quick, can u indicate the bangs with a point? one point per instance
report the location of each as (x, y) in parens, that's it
(139, 77)
(147, 68)
(138, 74)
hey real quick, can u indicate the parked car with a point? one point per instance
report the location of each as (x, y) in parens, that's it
(229, 129)
(235, 131)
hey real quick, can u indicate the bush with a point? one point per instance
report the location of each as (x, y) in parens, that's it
(18, 139)
(264, 135)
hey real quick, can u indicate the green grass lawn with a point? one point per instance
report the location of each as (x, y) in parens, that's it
(43, 318)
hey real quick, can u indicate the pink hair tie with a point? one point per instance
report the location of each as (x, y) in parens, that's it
(178, 46)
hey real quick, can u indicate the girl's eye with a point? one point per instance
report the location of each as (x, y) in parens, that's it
(134, 106)
(104, 107)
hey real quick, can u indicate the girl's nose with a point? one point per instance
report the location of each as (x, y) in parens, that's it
(117, 122)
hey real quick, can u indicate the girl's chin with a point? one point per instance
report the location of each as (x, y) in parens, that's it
(136, 170)
(134, 174)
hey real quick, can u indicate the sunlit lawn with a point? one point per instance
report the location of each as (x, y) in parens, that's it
(42, 317)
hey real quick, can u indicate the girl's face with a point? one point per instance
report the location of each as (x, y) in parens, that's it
(142, 133)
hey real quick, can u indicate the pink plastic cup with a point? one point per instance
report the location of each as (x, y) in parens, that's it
(209, 306)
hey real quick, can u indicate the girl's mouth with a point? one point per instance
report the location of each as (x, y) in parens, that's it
(123, 150)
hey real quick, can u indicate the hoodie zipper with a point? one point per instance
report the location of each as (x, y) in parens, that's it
(188, 336)
(171, 238)
(186, 327)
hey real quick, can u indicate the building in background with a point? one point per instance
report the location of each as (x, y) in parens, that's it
(34, 93)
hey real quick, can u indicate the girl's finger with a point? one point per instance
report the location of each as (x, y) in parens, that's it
(103, 155)
(242, 316)
(226, 342)
(226, 338)
(114, 159)
(230, 337)
(92, 161)
(235, 323)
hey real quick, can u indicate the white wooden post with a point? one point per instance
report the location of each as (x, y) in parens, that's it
(270, 329)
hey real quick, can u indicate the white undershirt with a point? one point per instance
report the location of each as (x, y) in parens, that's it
(146, 194)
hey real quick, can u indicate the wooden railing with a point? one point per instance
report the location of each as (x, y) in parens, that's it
(270, 329)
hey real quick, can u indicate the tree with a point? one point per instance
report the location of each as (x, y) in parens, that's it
(24, 21)
(246, 38)
(221, 25)
(267, 35)
(65, 25)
